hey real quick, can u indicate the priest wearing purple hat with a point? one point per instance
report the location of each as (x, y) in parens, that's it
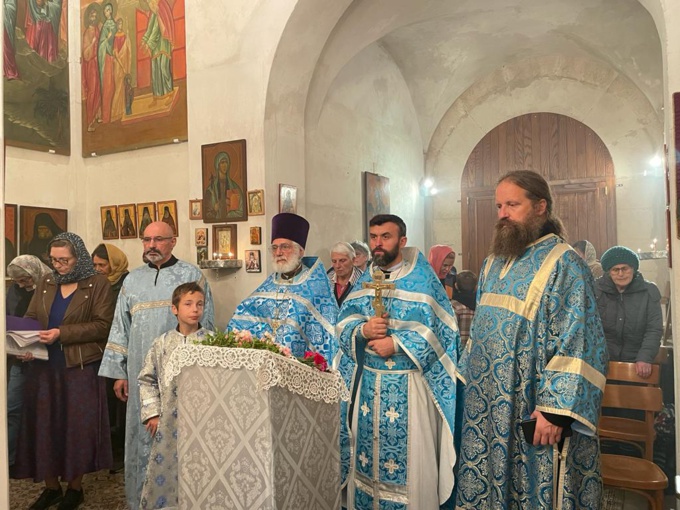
(295, 304)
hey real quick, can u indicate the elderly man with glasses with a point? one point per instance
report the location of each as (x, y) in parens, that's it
(295, 304)
(143, 312)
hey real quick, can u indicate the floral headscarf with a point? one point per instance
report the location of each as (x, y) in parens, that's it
(84, 267)
(29, 264)
(118, 262)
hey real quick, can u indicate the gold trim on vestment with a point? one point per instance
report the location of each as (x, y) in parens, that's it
(565, 412)
(528, 307)
(117, 348)
(277, 296)
(409, 297)
(376, 432)
(381, 490)
(150, 304)
(562, 459)
(428, 335)
(570, 365)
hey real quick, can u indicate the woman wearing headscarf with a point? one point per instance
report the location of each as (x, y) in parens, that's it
(65, 425)
(112, 263)
(442, 258)
(25, 271)
(587, 252)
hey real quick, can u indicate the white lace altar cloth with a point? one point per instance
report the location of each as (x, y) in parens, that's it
(256, 431)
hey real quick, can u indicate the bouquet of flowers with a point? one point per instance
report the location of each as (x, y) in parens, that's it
(243, 339)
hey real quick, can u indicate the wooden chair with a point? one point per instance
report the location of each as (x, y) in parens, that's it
(632, 474)
(647, 398)
(635, 475)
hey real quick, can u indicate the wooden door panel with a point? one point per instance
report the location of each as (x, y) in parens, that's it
(570, 155)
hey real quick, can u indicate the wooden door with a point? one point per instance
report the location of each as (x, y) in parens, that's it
(572, 158)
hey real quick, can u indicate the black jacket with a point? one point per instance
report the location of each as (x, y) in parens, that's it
(632, 319)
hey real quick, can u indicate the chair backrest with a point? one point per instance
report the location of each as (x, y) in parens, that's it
(643, 398)
(620, 371)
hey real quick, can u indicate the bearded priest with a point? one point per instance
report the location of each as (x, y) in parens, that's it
(295, 304)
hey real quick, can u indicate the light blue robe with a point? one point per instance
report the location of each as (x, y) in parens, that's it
(401, 452)
(303, 311)
(159, 398)
(143, 312)
(536, 342)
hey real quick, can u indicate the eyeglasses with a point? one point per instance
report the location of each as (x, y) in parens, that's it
(621, 270)
(61, 261)
(157, 239)
(283, 247)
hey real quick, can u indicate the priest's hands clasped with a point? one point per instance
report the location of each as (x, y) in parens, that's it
(376, 327)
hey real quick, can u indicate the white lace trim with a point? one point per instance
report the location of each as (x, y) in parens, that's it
(272, 370)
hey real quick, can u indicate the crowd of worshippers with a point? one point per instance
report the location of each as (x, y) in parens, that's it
(444, 354)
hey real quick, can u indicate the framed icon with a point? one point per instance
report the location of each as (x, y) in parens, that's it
(127, 219)
(224, 242)
(196, 209)
(146, 214)
(224, 175)
(201, 237)
(252, 261)
(167, 213)
(109, 218)
(255, 235)
(287, 198)
(256, 202)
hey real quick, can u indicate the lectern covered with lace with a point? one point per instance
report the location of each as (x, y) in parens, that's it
(256, 430)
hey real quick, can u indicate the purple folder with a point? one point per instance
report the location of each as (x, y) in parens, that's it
(22, 324)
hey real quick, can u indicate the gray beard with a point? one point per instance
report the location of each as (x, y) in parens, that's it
(287, 267)
(510, 238)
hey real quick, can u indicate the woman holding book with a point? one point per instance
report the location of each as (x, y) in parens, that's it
(65, 426)
(25, 271)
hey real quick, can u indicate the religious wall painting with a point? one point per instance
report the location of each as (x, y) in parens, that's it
(127, 219)
(255, 235)
(36, 77)
(224, 181)
(201, 254)
(109, 219)
(256, 202)
(196, 209)
(146, 213)
(11, 233)
(252, 261)
(134, 89)
(167, 213)
(201, 237)
(224, 242)
(287, 198)
(376, 196)
(37, 227)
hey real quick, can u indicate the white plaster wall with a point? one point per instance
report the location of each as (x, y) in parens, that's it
(367, 123)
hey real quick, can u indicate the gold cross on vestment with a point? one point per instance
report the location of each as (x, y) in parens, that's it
(378, 285)
(390, 363)
(392, 414)
(363, 459)
(365, 409)
(391, 466)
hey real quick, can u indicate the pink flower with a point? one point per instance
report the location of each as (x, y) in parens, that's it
(285, 351)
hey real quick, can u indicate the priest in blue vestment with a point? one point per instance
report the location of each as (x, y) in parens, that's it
(295, 303)
(143, 313)
(398, 444)
(536, 351)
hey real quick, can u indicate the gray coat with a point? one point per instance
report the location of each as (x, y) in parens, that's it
(632, 319)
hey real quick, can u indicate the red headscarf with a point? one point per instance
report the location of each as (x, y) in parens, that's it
(437, 255)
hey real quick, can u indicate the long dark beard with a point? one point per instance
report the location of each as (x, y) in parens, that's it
(510, 238)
